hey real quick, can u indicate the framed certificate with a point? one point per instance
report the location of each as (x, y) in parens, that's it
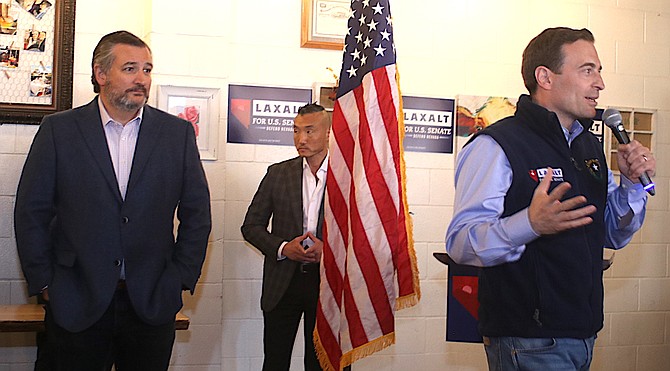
(324, 23)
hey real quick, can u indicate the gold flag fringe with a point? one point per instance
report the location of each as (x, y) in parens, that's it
(353, 355)
(321, 354)
(411, 299)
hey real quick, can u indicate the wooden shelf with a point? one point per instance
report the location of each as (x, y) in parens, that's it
(639, 123)
(30, 318)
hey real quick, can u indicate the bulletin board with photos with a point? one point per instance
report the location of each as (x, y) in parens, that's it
(36, 53)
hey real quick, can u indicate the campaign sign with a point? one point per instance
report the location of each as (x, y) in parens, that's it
(462, 300)
(463, 304)
(429, 124)
(264, 115)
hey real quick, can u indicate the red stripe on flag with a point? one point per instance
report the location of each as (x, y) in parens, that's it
(356, 328)
(373, 279)
(343, 137)
(382, 200)
(324, 336)
(333, 277)
(388, 109)
(389, 112)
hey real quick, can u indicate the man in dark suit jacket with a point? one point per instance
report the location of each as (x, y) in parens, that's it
(291, 193)
(94, 219)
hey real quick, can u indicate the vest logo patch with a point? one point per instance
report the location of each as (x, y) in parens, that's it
(539, 174)
(594, 168)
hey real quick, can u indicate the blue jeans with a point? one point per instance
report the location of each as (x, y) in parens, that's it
(532, 354)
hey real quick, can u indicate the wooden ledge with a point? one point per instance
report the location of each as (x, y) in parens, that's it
(30, 318)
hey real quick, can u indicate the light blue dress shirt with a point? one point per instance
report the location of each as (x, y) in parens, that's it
(121, 142)
(477, 235)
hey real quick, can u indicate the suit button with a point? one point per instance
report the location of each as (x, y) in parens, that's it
(124, 220)
(117, 262)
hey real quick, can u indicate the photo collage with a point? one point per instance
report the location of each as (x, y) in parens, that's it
(24, 32)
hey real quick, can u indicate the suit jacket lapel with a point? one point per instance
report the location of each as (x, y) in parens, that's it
(295, 192)
(319, 223)
(90, 126)
(146, 142)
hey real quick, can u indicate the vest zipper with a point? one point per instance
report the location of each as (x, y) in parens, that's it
(536, 313)
(536, 317)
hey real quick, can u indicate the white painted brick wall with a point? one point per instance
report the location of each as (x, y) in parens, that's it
(445, 48)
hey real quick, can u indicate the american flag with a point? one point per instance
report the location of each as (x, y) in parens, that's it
(369, 266)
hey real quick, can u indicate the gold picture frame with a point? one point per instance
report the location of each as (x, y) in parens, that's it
(324, 23)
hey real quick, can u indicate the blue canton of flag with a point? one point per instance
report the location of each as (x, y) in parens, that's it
(368, 44)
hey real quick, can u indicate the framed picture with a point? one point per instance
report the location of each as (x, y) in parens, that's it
(325, 94)
(324, 23)
(200, 107)
(36, 54)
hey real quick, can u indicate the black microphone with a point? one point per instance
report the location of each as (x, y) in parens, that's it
(612, 119)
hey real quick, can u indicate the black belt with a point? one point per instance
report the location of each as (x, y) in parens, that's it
(309, 268)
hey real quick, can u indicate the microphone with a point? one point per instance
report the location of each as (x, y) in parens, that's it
(612, 119)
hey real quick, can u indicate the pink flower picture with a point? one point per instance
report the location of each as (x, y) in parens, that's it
(192, 115)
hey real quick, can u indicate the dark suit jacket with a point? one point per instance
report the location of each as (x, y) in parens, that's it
(73, 228)
(278, 196)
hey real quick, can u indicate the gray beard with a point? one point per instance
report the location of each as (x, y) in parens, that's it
(122, 102)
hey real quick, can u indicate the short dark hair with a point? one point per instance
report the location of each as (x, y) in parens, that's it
(546, 49)
(102, 54)
(310, 108)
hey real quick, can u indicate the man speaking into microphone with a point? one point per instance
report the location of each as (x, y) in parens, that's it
(535, 205)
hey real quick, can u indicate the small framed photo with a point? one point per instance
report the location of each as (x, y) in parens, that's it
(200, 107)
(325, 94)
(324, 23)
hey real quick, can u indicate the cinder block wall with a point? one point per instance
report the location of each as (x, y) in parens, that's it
(445, 48)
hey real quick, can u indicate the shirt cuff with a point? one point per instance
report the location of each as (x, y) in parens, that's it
(518, 228)
(635, 194)
(280, 255)
(631, 187)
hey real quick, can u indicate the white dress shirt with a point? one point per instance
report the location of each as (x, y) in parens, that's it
(313, 187)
